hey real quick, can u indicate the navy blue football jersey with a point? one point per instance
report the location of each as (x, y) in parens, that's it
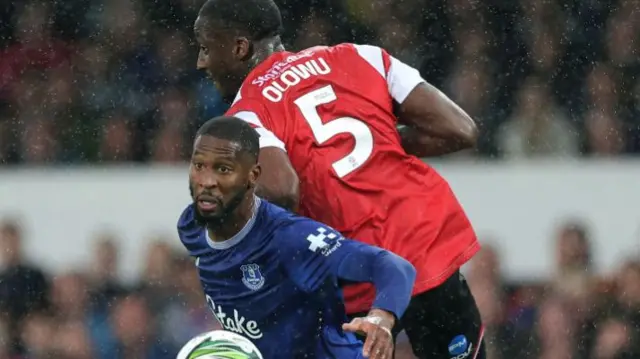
(275, 283)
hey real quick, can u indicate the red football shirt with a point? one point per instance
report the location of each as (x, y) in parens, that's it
(330, 108)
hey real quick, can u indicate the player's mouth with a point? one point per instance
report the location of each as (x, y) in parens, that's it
(207, 206)
(207, 203)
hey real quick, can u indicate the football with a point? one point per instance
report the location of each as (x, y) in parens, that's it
(219, 344)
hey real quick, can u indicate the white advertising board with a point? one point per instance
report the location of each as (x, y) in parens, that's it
(517, 207)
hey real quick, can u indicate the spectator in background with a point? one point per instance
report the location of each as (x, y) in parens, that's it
(555, 330)
(38, 138)
(84, 324)
(35, 46)
(23, 287)
(574, 282)
(621, 34)
(36, 332)
(135, 332)
(604, 126)
(104, 288)
(574, 277)
(185, 316)
(117, 138)
(103, 279)
(72, 341)
(605, 133)
(156, 284)
(172, 121)
(6, 127)
(5, 341)
(538, 126)
(69, 297)
(485, 281)
(614, 340)
(627, 304)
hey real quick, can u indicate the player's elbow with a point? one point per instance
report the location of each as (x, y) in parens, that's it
(458, 125)
(468, 133)
(408, 271)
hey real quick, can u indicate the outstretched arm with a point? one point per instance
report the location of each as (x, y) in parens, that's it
(318, 253)
(392, 275)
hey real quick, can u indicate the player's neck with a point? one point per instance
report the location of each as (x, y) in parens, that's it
(234, 223)
(264, 49)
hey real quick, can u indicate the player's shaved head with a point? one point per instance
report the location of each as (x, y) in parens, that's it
(256, 19)
(234, 130)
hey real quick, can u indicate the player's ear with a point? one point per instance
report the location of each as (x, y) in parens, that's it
(243, 49)
(254, 174)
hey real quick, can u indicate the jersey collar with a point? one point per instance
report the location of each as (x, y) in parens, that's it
(241, 234)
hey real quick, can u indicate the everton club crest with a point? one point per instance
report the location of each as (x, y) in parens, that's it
(251, 276)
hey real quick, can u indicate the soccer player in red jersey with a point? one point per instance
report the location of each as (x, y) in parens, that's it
(331, 150)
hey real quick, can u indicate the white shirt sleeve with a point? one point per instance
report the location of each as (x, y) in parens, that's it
(401, 78)
(267, 138)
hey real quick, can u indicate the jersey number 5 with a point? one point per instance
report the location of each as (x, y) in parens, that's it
(308, 104)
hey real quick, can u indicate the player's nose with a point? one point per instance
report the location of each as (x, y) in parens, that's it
(208, 181)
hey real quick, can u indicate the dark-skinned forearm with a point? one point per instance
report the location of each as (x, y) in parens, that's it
(424, 145)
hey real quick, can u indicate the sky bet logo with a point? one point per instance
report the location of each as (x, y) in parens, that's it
(460, 348)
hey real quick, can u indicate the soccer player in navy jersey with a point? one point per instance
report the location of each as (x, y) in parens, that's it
(273, 276)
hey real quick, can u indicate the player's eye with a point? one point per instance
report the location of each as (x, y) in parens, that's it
(204, 50)
(224, 169)
(198, 166)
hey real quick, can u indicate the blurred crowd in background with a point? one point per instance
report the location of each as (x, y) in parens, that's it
(94, 80)
(90, 313)
(91, 81)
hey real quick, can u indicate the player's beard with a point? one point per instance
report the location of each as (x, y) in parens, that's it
(226, 212)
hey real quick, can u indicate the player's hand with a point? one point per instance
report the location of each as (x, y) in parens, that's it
(376, 326)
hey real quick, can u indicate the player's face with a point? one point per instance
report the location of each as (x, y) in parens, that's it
(221, 178)
(222, 55)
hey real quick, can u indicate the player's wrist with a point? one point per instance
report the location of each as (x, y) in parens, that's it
(382, 317)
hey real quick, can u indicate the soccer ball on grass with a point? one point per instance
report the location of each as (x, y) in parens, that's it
(219, 344)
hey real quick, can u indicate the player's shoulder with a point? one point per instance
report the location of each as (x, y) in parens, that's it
(348, 53)
(353, 59)
(188, 226)
(278, 217)
(287, 225)
(274, 216)
(344, 48)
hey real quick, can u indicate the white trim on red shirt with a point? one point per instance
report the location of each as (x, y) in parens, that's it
(267, 138)
(401, 78)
